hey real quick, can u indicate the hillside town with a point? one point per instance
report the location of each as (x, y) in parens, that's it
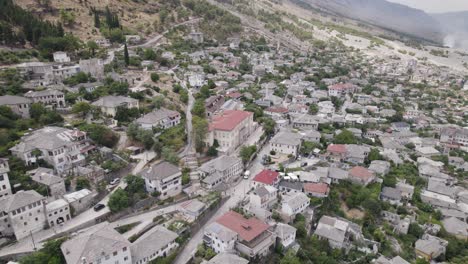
(181, 148)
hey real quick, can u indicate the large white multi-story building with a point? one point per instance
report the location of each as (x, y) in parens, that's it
(286, 143)
(163, 178)
(110, 104)
(22, 214)
(99, 244)
(232, 231)
(222, 169)
(19, 105)
(454, 136)
(60, 147)
(47, 97)
(160, 118)
(230, 128)
(157, 242)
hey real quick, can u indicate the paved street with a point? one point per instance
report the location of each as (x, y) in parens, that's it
(238, 193)
(145, 219)
(88, 216)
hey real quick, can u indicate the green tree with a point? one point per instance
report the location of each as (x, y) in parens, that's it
(345, 137)
(36, 111)
(135, 184)
(81, 108)
(205, 92)
(118, 201)
(246, 152)
(374, 154)
(67, 17)
(49, 254)
(199, 108)
(97, 20)
(313, 109)
(269, 125)
(308, 147)
(92, 46)
(126, 56)
(290, 258)
(82, 183)
(170, 155)
(154, 77)
(101, 134)
(199, 130)
(158, 102)
(212, 151)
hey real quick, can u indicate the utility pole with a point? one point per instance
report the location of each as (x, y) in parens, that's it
(32, 238)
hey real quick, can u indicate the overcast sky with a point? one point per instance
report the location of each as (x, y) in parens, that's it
(436, 6)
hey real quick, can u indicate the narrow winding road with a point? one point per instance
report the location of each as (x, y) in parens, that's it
(149, 43)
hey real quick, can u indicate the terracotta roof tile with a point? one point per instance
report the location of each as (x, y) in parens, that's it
(360, 172)
(228, 120)
(336, 148)
(316, 188)
(266, 177)
(247, 229)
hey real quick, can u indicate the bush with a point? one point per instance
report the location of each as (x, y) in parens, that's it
(154, 77)
(118, 201)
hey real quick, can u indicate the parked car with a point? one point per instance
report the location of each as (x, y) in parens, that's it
(246, 175)
(114, 181)
(99, 207)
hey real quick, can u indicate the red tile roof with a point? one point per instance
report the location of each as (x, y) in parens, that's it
(247, 229)
(266, 177)
(361, 173)
(336, 148)
(316, 188)
(228, 120)
(278, 109)
(234, 95)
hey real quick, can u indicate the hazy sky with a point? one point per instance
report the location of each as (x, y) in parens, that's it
(436, 6)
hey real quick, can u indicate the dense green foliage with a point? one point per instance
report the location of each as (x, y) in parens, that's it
(100, 134)
(33, 29)
(49, 254)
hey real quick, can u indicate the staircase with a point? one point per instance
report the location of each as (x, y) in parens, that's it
(191, 162)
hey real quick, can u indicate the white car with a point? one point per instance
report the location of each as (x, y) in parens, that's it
(246, 175)
(114, 181)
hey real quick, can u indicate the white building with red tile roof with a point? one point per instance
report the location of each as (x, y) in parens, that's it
(361, 175)
(254, 237)
(341, 89)
(230, 128)
(316, 189)
(266, 177)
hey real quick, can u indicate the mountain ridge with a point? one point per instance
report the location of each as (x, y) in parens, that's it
(388, 15)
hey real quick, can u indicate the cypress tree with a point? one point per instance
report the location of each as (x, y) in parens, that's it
(97, 21)
(126, 57)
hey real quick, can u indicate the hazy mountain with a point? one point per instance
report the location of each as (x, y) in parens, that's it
(456, 26)
(385, 14)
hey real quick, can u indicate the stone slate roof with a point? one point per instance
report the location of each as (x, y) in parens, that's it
(12, 100)
(160, 171)
(20, 199)
(92, 244)
(152, 241)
